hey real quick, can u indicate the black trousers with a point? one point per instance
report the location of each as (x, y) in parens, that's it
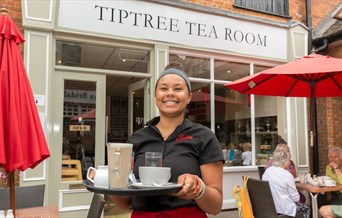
(335, 200)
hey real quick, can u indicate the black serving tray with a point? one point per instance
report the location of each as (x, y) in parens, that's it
(131, 191)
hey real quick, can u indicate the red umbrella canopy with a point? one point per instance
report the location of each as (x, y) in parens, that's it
(22, 140)
(311, 76)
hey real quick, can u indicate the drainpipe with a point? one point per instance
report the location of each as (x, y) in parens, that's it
(308, 24)
(325, 42)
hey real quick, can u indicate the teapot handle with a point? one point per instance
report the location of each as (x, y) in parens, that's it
(88, 172)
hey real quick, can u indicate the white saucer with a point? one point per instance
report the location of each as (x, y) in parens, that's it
(167, 185)
(330, 185)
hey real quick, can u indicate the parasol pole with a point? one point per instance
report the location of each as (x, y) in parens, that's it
(313, 129)
(12, 191)
(4, 12)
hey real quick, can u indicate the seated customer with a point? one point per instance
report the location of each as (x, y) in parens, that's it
(333, 170)
(283, 187)
(291, 168)
(331, 211)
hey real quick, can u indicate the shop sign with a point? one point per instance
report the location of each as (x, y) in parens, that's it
(152, 21)
(77, 128)
(79, 96)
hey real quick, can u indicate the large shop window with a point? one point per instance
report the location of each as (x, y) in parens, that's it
(78, 54)
(234, 113)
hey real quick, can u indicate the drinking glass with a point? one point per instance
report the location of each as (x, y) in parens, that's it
(153, 159)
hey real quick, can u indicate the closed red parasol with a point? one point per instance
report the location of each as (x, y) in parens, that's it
(22, 141)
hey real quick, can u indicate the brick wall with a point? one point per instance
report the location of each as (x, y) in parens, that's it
(228, 5)
(297, 9)
(329, 127)
(320, 9)
(14, 11)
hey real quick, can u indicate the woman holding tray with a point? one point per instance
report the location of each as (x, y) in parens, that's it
(191, 150)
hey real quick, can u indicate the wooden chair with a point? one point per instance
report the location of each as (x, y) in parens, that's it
(262, 200)
(96, 206)
(71, 170)
(25, 197)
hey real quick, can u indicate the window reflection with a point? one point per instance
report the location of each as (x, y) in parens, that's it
(266, 125)
(230, 71)
(232, 123)
(193, 66)
(199, 107)
(101, 57)
(266, 128)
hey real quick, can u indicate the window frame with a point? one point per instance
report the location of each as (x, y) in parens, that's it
(239, 4)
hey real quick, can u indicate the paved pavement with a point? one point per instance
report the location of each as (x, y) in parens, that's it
(226, 214)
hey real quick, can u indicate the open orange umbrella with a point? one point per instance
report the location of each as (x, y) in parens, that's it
(310, 76)
(22, 140)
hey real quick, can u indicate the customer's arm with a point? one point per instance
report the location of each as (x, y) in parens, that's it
(292, 189)
(325, 211)
(336, 174)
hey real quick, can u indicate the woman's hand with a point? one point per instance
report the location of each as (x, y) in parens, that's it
(191, 186)
(207, 192)
(333, 165)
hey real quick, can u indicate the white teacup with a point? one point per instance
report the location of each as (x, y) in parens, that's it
(326, 177)
(329, 182)
(100, 179)
(154, 176)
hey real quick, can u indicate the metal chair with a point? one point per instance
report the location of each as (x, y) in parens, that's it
(262, 200)
(96, 206)
(25, 196)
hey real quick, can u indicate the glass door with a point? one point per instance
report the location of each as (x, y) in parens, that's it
(79, 139)
(138, 105)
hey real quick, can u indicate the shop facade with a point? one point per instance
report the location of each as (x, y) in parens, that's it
(93, 67)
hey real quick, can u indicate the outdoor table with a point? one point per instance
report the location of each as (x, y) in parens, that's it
(314, 191)
(50, 211)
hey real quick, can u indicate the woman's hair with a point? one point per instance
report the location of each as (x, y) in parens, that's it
(174, 68)
(282, 147)
(335, 150)
(280, 158)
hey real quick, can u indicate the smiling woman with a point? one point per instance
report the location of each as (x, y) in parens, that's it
(191, 151)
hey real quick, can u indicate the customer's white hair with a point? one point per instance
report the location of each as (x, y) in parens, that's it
(280, 158)
(335, 150)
